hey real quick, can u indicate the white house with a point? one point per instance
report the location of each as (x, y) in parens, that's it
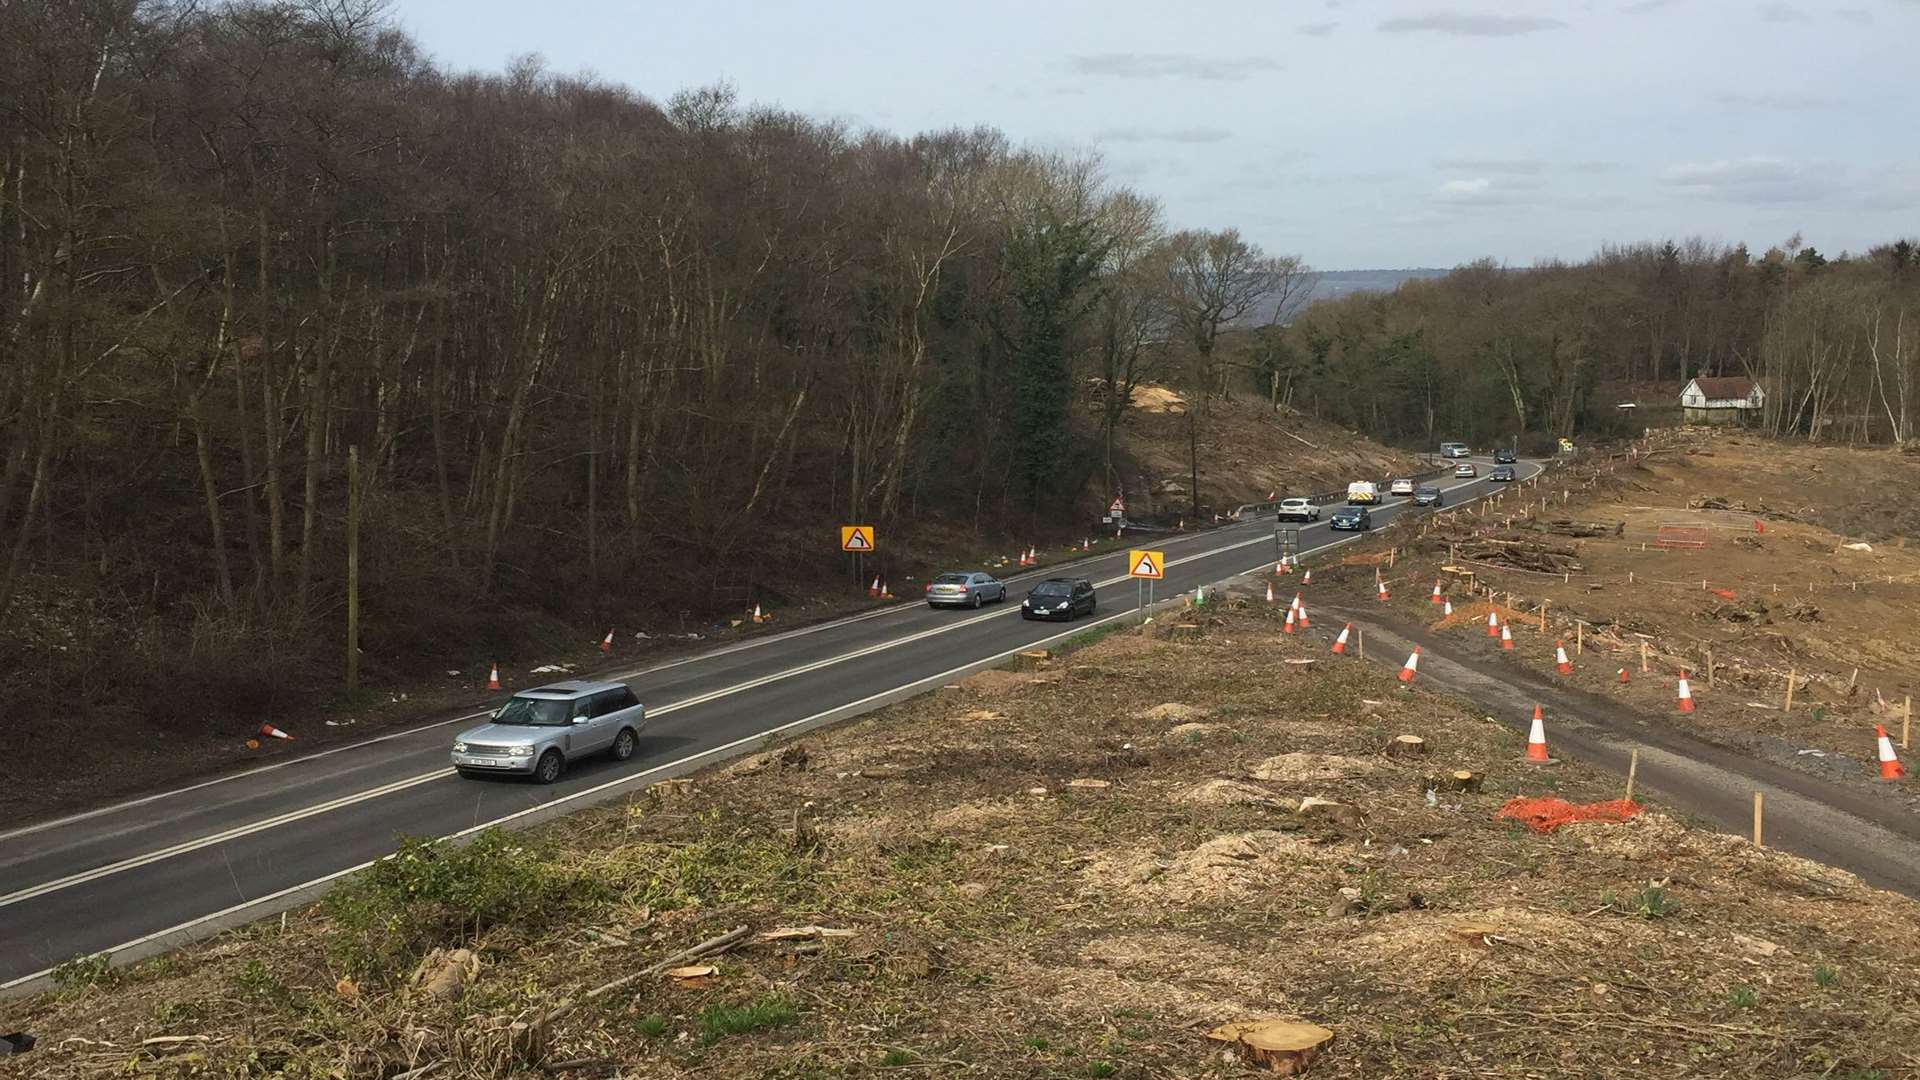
(1733, 400)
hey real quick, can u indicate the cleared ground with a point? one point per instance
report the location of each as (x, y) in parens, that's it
(1076, 869)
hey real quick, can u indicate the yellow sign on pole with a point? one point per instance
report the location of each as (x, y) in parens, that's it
(858, 538)
(1147, 564)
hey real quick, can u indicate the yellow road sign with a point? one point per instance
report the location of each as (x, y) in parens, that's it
(859, 538)
(1147, 564)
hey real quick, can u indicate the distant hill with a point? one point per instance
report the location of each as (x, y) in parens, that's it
(1334, 284)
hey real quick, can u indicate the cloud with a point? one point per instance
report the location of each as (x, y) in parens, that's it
(1860, 16)
(1462, 24)
(1777, 12)
(1752, 181)
(1642, 7)
(1131, 65)
(1319, 29)
(1509, 166)
(1593, 166)
(1477, 191)
(1778, 102)
(1173, 135)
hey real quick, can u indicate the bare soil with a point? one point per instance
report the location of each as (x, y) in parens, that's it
(1057, 884)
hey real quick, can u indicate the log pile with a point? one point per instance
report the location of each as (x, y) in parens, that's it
(1520, 555)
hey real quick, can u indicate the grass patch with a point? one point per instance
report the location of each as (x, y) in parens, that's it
(1090, 636)
(652, 1025)
(1824, 976)
(83, 972)
(719, 1021)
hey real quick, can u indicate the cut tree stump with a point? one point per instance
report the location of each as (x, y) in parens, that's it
(1462, 780)
(1406, 746)
(1282, 1047)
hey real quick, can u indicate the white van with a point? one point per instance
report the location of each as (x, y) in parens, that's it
(1363, 492)
(1453, 450)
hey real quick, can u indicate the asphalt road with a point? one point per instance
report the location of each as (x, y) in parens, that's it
(141, 876)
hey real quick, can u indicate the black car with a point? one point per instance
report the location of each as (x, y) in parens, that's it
(1428, 495)
(1351, 519)
(1059, 598)
(1504, 457)
(1501, 472)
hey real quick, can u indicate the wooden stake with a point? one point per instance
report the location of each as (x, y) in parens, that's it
(1709, 667)
(1360, 643)
(1643, 656)
(1853, 680)
(1579, 638)
(1792, 674)
(1633, 770)
(1629, 577)
(1543, 615)
(1758, 803)
(1906, 719)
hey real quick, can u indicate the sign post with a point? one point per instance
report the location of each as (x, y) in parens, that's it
(1146, 567)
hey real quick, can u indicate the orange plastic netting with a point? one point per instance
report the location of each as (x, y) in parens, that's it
(1547, 814)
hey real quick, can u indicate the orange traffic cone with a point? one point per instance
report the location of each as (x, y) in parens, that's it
(1307, 578)
(1289, 627)
(1506, 636)
(1890, 767)
(1382, 584)
(1537, 739)
(606, 643)
(1686, 694)
(1436, 592)
(873, 590)
(1270, 596)
(1295, 605)
(271, 732)
(760, 616)
(885, 593)
(493, 678)
(1086, 543)
(1446, 609)
(1493, 624)
(1340, 643)
(1033, 556)
(1623, 677)
(1303, 614)
(1560, 662)
(1411, 667)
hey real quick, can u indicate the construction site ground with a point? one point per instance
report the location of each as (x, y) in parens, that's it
(1803, 571)
(1079, 868)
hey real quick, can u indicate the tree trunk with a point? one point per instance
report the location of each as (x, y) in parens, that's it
(353, 567)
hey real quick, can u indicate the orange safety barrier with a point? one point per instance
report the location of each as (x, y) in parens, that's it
(1547, 814)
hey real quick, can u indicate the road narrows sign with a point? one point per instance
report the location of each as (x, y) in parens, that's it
(1147, 564)
(1117, 506)
(858, 538)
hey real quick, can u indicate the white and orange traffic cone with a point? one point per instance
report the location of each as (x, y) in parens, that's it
(1340, 643)
(1436, 592)
(268, 731)
(873, 590)
(1623, 677)
(1493, 624)
(1506, 637)
(1890, 767)
(1033, 556)
(1302, 608)
(1537, 739)
(1412, 667)
(1270, 596)
(1560, 662)
(606, 643)
(759, 616)
(493, 678)
(1686, 694)
(1295, 605)
(1381, 585)
(1289, 627)
(885, 593)
(1307, 578)
(1446, 609)
(1086, 543)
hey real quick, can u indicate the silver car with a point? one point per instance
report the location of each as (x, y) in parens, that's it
(537, 732)
(969, 588)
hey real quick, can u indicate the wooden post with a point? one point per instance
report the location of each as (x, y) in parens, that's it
(1906, 719)
(1629, 577)
(1792, 674)
(1543, 615)
(1579, 638)
(1643, 656)
(1360, 643)
(1709, 667)
(1633, 769)
(1758, 803)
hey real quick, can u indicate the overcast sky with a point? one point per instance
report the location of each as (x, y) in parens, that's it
(1355, 133)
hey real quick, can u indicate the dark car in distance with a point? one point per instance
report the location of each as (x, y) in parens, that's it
(1501, 472)
(1428, 495)
(1351, 519)
(1504, 457)
(1058, 598)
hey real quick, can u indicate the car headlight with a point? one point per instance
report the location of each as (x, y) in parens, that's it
(459, 748)
(520, 751)
(1061, 606)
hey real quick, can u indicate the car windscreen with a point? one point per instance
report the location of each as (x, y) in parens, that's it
(1052, 588)
(950, 579)
(535, 712)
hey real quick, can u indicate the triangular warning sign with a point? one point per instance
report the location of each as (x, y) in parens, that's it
(1117, 507)
(857, 541)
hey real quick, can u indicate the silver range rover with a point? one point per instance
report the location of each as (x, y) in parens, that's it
(539, 731)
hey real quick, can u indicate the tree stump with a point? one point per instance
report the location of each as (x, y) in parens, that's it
(1282, 1047)
(1406, 746)
(1458, 780)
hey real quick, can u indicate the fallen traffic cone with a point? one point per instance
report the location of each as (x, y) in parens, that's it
(493, 678)
(1506, 637)
(1623, 677)
(1436, 592)
(1383, 590)
(1289, 627)
(1686, 694)
(1303, 617)
(1890, 767)
(271, 732)
(606, 643)
(1411, 667)
(1537, 739)
(874, 589)
(1340, 643)
(1560, 662)
(1493, 624)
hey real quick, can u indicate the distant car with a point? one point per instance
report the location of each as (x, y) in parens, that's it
(1428, 495)
(1400, 487)
(1351, 519)
(1297, 510)
(966, 588)
(1059, 598)
(1453, 450)
(539, 731)
(1362, 491)
(1501, 472)
(1465, 468)
(1505, 457)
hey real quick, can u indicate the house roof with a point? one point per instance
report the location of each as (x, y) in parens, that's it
(1725, 389)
